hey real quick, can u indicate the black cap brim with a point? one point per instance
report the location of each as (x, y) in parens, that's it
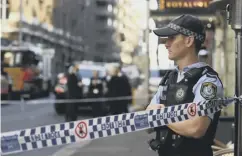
(165, 32)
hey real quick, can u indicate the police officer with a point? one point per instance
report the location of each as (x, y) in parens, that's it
(191, 81)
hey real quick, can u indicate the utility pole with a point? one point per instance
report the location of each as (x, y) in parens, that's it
(235, 19)
(20, 21)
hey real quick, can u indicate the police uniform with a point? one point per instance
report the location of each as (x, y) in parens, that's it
(196, 82)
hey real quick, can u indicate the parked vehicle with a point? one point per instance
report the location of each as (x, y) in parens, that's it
(29, 68)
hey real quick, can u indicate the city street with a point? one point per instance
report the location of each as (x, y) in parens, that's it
(172, 52)
(131, 144)
(15, 117)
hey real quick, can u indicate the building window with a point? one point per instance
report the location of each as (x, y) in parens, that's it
(34, 13)
(73, 23)
(110, 8)
(122, 37)
(4, 8)
(102, 32)
(100, 3)
(101, 46)
(102, 19)
(41, 2)
(110, 22)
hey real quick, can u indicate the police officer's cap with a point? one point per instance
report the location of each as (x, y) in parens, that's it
(187, 25)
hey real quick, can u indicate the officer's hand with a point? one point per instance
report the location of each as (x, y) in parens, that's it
(155, 106)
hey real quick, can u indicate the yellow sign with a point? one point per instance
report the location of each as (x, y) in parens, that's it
(16, 75)
(183, 4)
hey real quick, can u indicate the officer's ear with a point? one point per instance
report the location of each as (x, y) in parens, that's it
(189, 40)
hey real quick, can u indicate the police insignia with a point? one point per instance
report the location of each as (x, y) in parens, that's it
(180, 93)
(208, 90)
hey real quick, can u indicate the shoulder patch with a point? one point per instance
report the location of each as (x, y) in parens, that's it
(208, 90)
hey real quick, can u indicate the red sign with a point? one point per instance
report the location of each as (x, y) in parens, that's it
(81, 130)
(192, 109)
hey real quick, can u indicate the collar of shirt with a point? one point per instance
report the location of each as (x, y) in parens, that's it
(187, 68)
(194, 65)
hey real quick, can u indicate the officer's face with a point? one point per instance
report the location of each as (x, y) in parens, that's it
(176, 47)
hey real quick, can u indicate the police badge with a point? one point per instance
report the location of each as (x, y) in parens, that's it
(208, 90)
(180, 94)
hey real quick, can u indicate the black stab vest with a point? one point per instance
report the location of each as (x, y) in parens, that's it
(180, 93)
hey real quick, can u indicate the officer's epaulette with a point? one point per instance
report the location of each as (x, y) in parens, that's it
(212, 75)
(194, 72)
(198, 72)
(210, 72)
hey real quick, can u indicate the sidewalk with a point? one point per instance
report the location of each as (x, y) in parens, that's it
(131, 144)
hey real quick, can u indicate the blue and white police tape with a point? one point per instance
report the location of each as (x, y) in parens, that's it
(76, 131)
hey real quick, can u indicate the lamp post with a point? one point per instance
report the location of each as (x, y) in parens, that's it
(234, 9)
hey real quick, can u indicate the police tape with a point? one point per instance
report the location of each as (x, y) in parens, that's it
(85, 100)
(90, 129)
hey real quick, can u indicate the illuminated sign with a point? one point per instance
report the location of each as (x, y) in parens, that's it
(183, 4)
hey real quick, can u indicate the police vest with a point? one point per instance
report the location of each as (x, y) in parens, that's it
(174, 93)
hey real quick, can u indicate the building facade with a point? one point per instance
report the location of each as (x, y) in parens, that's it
(110, 28)
(98, 30)
(31, 21)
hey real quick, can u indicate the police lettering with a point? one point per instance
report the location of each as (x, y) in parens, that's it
(210, 104)
(166, 115)
(112, 125)
(9, 138)
(214, 103)
(45, 136)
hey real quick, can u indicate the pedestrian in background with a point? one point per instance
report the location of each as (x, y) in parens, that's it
(118, 87)
(96, 90)
(74, 84)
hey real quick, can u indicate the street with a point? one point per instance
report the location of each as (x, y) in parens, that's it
(130, 144)
(16, 117)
